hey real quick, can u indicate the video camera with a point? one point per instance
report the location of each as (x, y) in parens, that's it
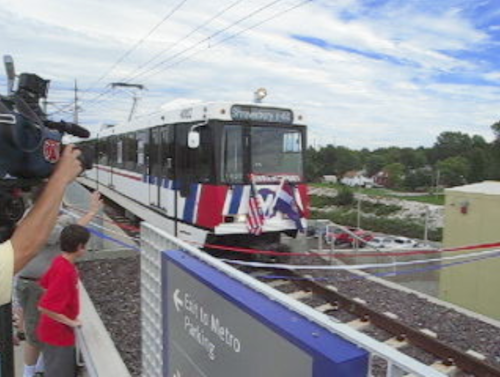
(30, 144)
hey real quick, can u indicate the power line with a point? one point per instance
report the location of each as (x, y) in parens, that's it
(251, 14)
(136, 45)
(276, 15)
(279, 14)
(229, 7)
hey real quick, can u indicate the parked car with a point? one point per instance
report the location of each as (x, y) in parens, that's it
(380, 242)
(340, 236)
(388, 242)
(317, 228)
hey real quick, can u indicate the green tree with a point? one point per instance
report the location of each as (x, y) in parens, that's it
(346, 160)
(451, 144)
(374, 165)
(312, 167)
(396, 174)
(418, 179)
(453, 171)
(495, 127)
(326, 159)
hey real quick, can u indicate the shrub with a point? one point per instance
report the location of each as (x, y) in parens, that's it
(322, 201)
(399, 227)
(344, 197)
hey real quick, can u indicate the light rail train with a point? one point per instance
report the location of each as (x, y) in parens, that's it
(194, 170)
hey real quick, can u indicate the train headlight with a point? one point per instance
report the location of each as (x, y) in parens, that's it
(260, 94)
(240, 218)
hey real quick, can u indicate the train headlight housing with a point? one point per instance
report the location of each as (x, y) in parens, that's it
(235, 219)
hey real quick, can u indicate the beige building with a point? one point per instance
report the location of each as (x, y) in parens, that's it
(472, 216)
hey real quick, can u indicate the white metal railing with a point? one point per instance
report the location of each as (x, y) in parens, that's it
(95, 349)
(155, 241)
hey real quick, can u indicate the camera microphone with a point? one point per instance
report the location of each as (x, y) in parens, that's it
(69, 128)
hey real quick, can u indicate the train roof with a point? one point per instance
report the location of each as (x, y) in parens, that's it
(204, 111)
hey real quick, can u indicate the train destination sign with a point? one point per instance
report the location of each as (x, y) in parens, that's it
(261, 114)
(214, 326)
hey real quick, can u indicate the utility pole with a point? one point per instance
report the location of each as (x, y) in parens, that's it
(426, 225)
(438, 173)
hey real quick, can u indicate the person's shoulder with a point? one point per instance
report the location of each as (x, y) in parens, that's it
(6, 245)
(6, 253)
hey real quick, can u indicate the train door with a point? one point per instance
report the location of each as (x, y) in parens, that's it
(155, 169)
(113, 156)
(167, 192)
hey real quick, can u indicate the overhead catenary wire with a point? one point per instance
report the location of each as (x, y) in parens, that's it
(169, 14)
(135, 76)
(209, 38)
(176, 43)
(149, 73)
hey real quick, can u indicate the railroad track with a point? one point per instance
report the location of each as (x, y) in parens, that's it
(420, 343)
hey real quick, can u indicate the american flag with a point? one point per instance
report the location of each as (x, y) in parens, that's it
(255, 217)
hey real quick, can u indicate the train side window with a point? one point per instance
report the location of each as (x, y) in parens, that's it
(119, 152)
(142, 141)
(167, 145)
(111, 149)
(102, 147)
(130, 151)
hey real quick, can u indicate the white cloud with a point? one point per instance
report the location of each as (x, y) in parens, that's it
(377, 86)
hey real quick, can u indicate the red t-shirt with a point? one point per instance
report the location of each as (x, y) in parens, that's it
(61, 296)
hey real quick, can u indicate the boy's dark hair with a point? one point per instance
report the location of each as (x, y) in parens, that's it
(72, 237)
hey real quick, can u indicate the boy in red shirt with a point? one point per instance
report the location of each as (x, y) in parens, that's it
(60, 305)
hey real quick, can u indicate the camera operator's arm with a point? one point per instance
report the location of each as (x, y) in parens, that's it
(33, 231)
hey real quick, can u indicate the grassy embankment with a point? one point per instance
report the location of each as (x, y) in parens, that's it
(437, 199)
(375, 216)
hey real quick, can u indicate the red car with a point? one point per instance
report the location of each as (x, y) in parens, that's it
(341, 236)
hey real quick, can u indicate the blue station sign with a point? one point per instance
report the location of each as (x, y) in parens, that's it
(215, 326)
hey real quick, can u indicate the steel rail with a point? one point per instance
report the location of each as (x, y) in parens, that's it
(448, 354)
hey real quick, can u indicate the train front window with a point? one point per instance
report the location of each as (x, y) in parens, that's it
(232, 158)
(276, 151)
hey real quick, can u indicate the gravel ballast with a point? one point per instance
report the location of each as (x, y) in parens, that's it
(114, 287)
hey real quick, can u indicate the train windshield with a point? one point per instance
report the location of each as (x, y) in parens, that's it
(276, 151)
(262, 150)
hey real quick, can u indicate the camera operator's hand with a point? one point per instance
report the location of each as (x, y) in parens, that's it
(69, 166)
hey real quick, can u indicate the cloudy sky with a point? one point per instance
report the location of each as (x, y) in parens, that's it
(366, 73)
